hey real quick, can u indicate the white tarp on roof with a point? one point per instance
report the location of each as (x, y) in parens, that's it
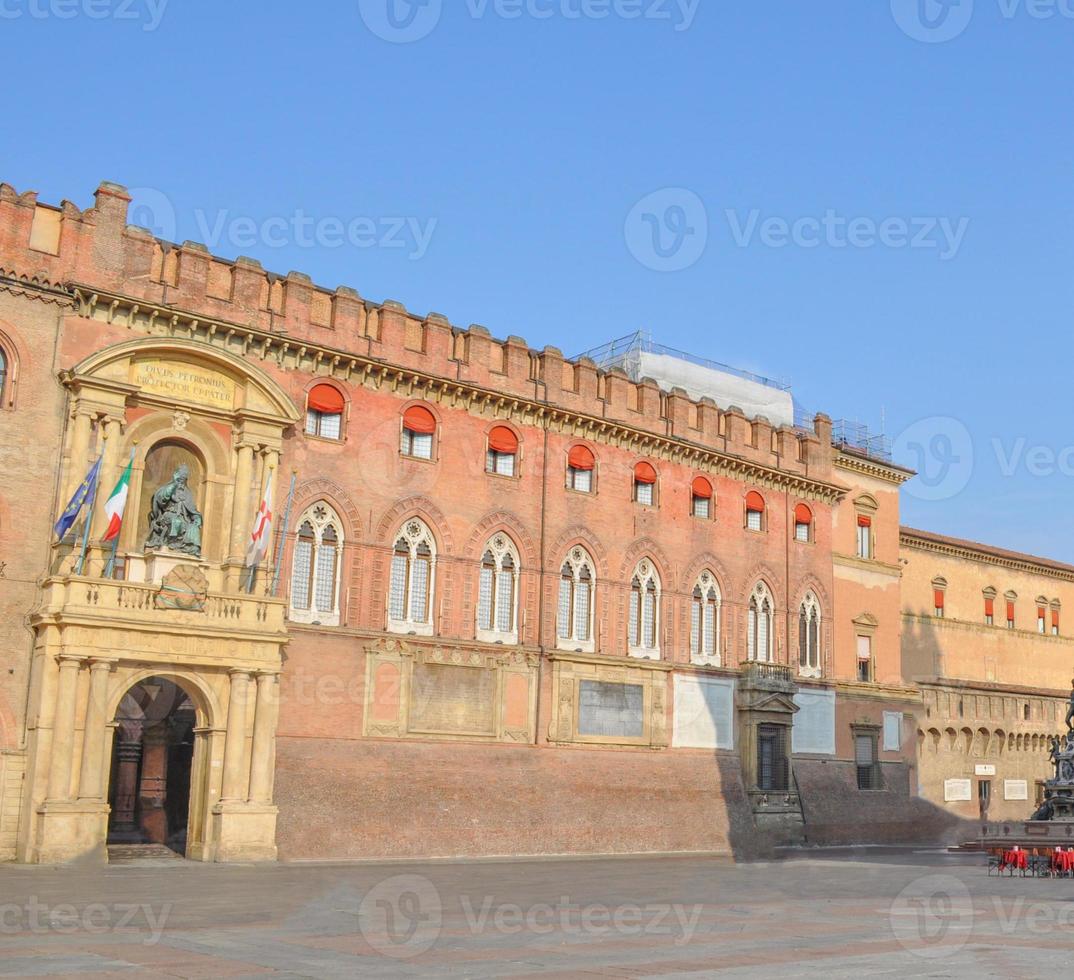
(723, 388)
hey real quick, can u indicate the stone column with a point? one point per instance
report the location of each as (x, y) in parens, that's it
(262, 761)
(240, 509)
(152, 787)
(63, 729)
(236, 774)
(128, 758)
(80, 438)
(92, 779)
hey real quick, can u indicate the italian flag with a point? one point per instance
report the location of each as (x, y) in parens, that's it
(116, 503)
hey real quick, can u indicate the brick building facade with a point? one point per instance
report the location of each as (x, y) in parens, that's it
(984, 639)
(525, 605)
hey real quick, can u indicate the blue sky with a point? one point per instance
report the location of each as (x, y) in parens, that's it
(830, 193)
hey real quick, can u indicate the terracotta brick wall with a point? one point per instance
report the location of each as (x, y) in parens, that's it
(344, 799)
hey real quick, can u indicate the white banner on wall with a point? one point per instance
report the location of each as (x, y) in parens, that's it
(704, 713)
(892, 731)
(814, 723)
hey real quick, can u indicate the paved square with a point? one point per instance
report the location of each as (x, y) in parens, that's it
(898, 913)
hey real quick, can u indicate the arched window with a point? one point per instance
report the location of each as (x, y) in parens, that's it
(580, 466)
(324, 412)
(755, 509)
(701, 498)
(1055, 617)
(865, 508)
(315, 567)
(497, 602)
(574, 626)
(759, 627)
(803, 523)
(419, 427)
(1042, 615)
(501, 457)
(643, 628)
(410, 595)
(939, 596)
(990, 606)
(644, 483)
(3, 378)
(1011, 598)
(705, 621)
(809, 637)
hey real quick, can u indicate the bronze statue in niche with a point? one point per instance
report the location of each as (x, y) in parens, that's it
(174, 519)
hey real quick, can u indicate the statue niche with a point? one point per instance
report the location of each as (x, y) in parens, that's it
(174, 519)
(172, 478)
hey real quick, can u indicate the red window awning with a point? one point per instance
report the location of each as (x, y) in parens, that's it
(702, 488)
(864, 521)
(937, 598)
(644, 473)
(803, 515)
(325, 399)
(1055, 618)
(581, 458)
(1010, 611)
(419, 419)
(1040, 612)
(990, 607)
(503, 440)
(755, 502)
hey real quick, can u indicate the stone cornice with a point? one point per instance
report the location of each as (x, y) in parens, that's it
(989, 687)
(319, 359)
(30, 287)
(877, 692)
(873, 565)
(972, 626)
(868, 466)
(908, 539)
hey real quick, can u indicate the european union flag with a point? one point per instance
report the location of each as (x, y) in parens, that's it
(70, 515)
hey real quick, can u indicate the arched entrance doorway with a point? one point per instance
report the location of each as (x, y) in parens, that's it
(149, 789)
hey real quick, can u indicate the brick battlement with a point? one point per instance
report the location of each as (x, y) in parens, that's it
(97, 251)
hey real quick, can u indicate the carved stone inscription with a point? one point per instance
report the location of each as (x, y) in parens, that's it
(449, 699)
(611, 710)
(185, 381)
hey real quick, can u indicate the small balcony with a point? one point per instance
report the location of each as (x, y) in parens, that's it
(768, 676)
(140, 604)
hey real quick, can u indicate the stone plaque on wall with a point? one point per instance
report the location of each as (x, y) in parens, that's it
(1016, 789)
(957, 790)
(452, 700)
(187, 382)
(611, 710)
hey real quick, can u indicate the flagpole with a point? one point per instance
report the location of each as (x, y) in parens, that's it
(109, 568)
(281, 538)
(89, 522)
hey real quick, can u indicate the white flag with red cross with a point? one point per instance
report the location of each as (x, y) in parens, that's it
(262, 532)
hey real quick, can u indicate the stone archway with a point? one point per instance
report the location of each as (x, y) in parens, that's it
(152, 766)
